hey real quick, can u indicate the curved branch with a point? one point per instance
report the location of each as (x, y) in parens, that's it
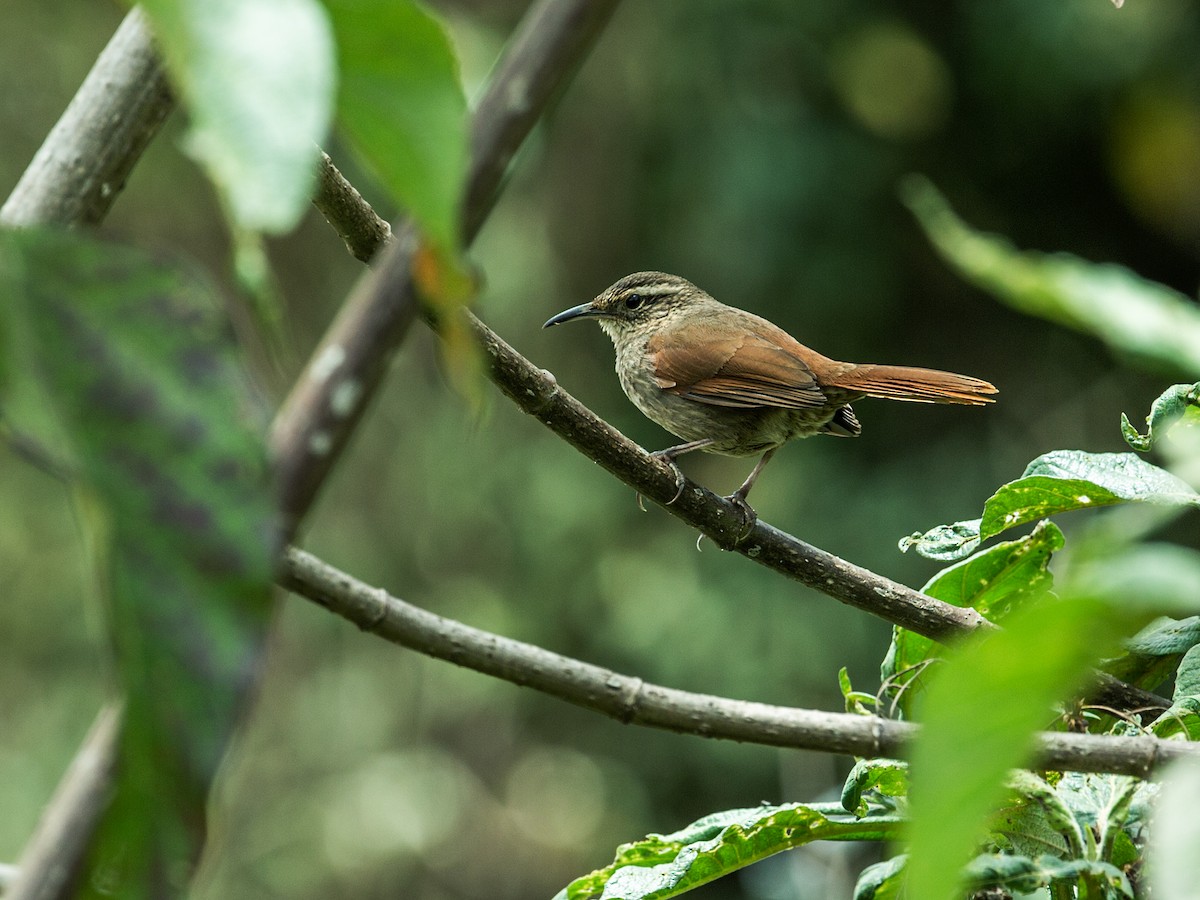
(631, 700)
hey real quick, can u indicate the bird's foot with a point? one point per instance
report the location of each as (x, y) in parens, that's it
(680, 481)
(749, 516)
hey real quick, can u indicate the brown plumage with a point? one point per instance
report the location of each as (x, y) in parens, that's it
(730, 382)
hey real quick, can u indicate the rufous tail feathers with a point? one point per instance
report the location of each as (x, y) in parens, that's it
(918, 385)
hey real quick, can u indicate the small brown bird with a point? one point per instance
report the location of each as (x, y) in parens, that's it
(730, 382)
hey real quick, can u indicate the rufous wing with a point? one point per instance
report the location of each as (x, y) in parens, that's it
(731, 366)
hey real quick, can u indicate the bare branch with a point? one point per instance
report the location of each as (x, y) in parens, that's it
(631, 700)
(50, 862)
(81, 166)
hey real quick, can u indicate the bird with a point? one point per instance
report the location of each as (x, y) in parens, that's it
(727, 381)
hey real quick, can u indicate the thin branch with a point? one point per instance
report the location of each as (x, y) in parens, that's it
(50, 862)
(348, 365)
(630, 700)
(348, 213)
(81, 166)
(537, 392)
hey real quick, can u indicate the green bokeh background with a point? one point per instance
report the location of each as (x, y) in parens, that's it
(753, 148)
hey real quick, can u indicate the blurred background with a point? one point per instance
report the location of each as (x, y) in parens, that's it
(755, 149)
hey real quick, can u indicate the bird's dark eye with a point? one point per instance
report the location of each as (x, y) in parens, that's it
(633, 301)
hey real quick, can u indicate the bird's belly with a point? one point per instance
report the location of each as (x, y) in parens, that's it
(736, 431)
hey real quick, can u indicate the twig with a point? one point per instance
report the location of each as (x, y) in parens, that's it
(633, 701)
(348, 365)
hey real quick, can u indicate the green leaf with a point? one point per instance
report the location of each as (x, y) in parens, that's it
(1178, 405)
(995, 581)
(984, 704)
(1057, 482)
(1133, 316)
(1172, 863)
(403, 108)
(1037, 822)
(667, 865)
(139, 371)
(1152, 655)
(1183, 717)
(1020, 874)
(882, 881)
(257, 77)
(885, 777)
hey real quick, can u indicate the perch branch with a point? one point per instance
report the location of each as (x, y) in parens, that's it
(633, 701)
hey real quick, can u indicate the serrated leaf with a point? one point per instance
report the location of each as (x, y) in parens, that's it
(663, 866)
(139, 370)
(257, 77)
(984, 704)
(994, 582)
(403, 107)
(885, 777)
(1020, 874)
(1133, 316)
(882, 881)
(1057, 482)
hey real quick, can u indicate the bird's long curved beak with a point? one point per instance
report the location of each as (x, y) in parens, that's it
(582, 311)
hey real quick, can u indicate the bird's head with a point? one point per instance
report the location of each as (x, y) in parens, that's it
(635, 303)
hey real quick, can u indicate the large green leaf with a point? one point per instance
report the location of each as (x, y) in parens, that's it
(403, 107)
(257, 77)
(137, 367)
(1057, 482)
(995, 581)
(994, 691)
(1133, 316)
(1152, 655)
(661, 866)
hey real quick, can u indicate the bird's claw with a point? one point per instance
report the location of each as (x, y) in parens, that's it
(749, 516)
(680, 480)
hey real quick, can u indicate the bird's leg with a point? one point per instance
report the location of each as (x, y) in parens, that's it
(738, 497)
(669, 456)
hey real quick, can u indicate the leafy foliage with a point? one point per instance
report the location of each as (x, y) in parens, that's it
(136, 368)
(663, 866)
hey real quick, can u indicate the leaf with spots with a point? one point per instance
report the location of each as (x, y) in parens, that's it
(136, 365)
(1058, 482)
(666, 865)
(996, 582)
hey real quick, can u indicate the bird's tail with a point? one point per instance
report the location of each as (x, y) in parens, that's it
(918, 385)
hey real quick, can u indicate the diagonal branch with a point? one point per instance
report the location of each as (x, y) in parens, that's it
(633, 701)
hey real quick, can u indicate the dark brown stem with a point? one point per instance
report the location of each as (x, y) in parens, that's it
(630, 700)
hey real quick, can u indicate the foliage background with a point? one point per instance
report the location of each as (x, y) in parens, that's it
(754, 149)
